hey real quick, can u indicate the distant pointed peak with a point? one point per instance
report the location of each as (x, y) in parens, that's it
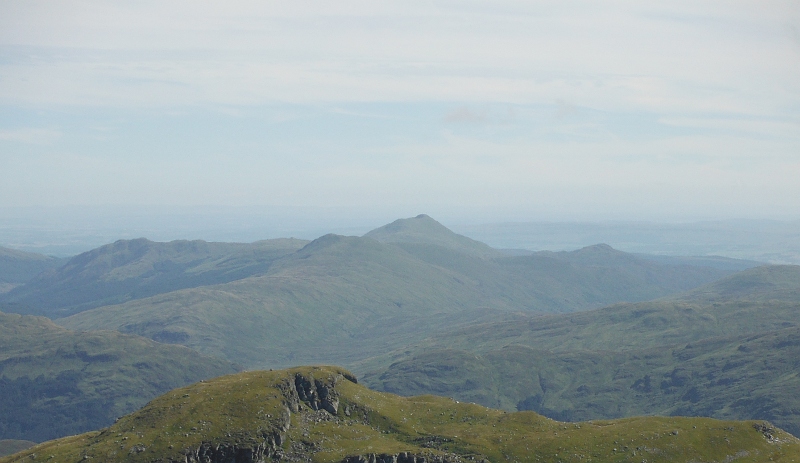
(603, 247)
(423, 229)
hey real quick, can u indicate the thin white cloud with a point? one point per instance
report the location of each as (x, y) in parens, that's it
(718, 80)
(618, 55)
(788, 129)
(31, 135)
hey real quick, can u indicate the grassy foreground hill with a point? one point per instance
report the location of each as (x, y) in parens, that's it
(320, 414)
(340, 299)
(56, 382)
(11, 446)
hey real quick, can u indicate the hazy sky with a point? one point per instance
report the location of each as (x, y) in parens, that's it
(496, 110)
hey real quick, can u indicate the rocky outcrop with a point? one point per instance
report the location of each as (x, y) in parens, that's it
(403, 457)
(232, 453)
(319, 394)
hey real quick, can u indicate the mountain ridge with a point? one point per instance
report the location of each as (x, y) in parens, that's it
(339, 291)
(133, 269)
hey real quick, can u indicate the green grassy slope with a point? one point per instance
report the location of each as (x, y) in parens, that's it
(321, 415)
(18, 267)
(134, 269)
(56, 382)
(11, 446)
(746, 377)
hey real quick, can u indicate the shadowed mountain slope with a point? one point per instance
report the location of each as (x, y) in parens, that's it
(320, 414)
(714, 310)
(18, 267)
(56, 382)
(728, 349)
(744, 377)
(722, 263)
(760, 284)
(134, 269)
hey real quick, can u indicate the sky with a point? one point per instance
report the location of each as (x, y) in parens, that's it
(475, 111)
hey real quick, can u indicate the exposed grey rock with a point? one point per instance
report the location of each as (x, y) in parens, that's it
(403, 457)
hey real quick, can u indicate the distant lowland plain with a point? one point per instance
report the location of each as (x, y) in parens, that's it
(447, 349)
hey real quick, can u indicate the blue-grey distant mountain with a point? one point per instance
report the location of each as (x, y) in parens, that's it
(18, 267)
(423, 230)
(341, 299)
(134, 269)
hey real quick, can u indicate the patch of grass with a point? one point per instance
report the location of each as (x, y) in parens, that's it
(11, 446)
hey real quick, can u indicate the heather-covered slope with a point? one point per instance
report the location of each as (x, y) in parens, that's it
(55, 382)
(320, 414)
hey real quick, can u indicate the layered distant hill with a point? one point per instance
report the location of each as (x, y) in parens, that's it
(342, 299)
(321, 414)
(134, 269)
(18, 267)
(56, 382)
(729, 350)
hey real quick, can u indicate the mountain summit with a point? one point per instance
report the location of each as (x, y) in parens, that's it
(423, 230)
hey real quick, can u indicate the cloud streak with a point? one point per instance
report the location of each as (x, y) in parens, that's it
(506, 105)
